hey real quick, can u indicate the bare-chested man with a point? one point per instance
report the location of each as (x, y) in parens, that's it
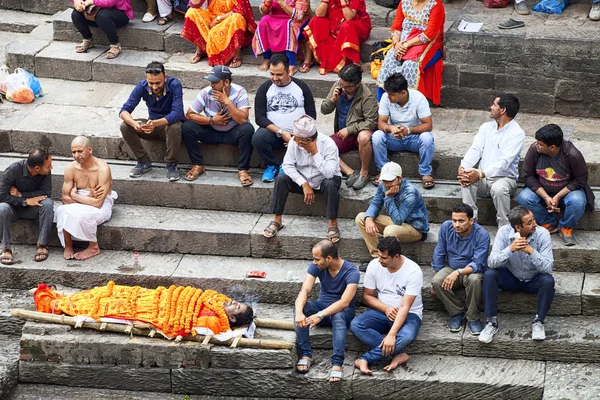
(87, 198)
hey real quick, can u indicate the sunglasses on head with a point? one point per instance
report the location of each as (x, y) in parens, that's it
(154, 70)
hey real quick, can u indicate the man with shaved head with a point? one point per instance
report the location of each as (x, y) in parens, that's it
(87, 198)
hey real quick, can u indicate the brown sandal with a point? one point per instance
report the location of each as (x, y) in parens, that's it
(164, 20)
(245, 178)
(41, 253)
(196, 57)
(195, 172)
(272, 229)
(305, 67)
(376, 180)
(7, 257)
(428, 182)
(236, 62)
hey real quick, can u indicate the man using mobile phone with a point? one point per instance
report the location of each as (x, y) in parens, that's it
(163, 96)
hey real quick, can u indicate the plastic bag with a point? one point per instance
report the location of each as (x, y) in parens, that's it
(34, 84)
(551, 6)
(4, 73)
(17, 87)
(496, 3)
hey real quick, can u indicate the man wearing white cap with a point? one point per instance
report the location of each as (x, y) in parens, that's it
(406, 217)
(311, 164)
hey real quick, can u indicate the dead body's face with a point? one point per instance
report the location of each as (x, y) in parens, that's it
(234, 308)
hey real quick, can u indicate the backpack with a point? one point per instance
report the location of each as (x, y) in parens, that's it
(388, 3)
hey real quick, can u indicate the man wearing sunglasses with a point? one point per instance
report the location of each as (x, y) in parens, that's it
(164, 98)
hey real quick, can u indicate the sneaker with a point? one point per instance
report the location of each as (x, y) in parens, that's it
(475, 327)
(521, 8)
(551, 228)
(148, 17)
(269, 174)
(172, 172)
(595, 12)
(456, 322)
(487, 334)
(537, 331)
(140, 169)
(566, 234)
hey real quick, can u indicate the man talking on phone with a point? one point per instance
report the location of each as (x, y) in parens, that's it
(521, 261)
(164, 98)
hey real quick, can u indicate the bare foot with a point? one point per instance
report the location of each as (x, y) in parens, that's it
(264, 66)
(398, 359)
(68, 253)
(91, 251)
(293, 70)
(363, 365)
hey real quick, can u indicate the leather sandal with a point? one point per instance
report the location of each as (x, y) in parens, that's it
(245, 178)
(41, 253)
(195, 172)
(333, 234)
(305, 67)
(113, 52)
(164, 20)
(272, 229)
(428, 182)
(7, 257)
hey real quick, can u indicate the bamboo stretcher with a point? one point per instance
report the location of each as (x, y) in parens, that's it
(143, 329)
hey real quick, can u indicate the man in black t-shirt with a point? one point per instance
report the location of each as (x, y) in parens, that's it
(556, 177)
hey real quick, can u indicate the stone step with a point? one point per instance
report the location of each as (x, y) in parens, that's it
(170, 230)
(9, 364)
(21, 22)
(55, 392)
(576, 381)
(227, 274)
(35, 6)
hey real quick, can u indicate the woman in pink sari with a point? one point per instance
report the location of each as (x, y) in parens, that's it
(279, 30)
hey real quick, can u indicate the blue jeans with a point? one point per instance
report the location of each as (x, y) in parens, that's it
(421, 143)
(573, 205)
(370, 327)
(339, 323)
(502, 278)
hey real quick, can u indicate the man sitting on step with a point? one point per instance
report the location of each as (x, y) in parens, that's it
(393, 321)
(406, 219)
(226, 107)
(25, 191)
(335, 306)
(497, 148)
(87, 198)
(459, 259)
(556, 176)
(163, 96)
(521, 261)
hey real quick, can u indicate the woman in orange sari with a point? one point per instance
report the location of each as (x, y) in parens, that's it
(335, 33)
(219, 28)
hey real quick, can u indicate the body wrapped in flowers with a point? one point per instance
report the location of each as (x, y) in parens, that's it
(173, 311)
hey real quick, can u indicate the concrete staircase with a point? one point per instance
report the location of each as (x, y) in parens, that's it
(208, 233)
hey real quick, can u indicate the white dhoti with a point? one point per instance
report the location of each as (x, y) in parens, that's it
(81, 220)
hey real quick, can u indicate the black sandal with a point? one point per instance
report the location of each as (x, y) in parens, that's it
(270, 232)
(333, 234)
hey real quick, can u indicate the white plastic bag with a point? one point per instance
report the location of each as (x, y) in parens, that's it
(17, 87)
(4, 73)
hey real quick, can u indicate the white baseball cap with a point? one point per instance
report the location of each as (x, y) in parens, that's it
(390, 171)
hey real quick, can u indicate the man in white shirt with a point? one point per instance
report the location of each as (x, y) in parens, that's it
(497, 148)
(393, 321)
(404, 124)
(310, 164)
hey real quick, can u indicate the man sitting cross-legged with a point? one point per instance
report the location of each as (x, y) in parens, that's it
(335, 307)
(394, 319)
(87, 198)
(459, 259)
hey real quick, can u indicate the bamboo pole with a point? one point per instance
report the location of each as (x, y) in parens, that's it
(129, 329)
(274, 323)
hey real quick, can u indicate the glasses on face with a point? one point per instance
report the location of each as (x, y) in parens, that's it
(154, 71)
(348, 87)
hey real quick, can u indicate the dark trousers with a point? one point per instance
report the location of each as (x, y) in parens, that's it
(45, 214)
(284, 185)
(107, 19)
(502, 278)
(171, 134)
(239, 135)
(264, 141)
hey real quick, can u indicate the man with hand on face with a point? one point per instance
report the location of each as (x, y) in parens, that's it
(459, 259)
(335, 307)
(310, 164)
(163, 96)
(396, 309)
(406, 218)
(278, 103)
(225, 121)
(521, 261)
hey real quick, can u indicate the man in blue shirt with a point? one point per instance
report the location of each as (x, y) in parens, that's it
(164, 98)
(521, 261)
(335, 307)
(460, 258)
(406, 217)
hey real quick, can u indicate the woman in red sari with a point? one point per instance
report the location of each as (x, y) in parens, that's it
(219, 28)
(335, 33)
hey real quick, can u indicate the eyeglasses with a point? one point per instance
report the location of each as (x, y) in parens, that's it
(154, 70)
(348, 87)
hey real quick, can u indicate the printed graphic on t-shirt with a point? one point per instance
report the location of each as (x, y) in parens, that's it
(400, 291)
(283, 103)
(551, 174)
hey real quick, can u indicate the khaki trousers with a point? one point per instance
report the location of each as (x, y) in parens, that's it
(405, 233)
(171, 134)
(473, 287)
(499, 189)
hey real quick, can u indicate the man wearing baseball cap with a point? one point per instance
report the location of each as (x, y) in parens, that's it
(310, 164)
(406, 217)
(225, 107)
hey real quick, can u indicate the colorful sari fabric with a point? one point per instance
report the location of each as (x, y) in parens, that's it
(221, 41)
(335, 41)
(277, 31)
(422, 65)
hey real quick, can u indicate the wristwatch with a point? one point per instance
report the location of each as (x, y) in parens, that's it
(320, 314)
(459, 271)
(279, 132)
(407, 130)
(211, 121)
